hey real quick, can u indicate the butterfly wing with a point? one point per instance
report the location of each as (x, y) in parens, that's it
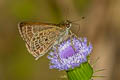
(39, 37)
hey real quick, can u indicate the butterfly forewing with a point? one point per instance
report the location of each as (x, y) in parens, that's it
(39, 37)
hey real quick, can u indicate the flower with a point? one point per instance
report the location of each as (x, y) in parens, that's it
(70, 54)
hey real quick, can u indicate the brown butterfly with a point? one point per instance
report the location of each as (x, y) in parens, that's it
(41, 37)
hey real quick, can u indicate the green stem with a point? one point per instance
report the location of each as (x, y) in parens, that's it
(83, 72)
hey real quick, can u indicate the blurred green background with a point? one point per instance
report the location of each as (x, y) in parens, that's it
(101, 26)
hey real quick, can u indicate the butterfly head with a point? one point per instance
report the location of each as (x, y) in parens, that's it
(67, 24)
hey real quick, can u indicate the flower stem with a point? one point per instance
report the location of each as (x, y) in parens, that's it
(83, 72)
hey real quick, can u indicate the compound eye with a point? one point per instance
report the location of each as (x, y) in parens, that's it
(69, 25)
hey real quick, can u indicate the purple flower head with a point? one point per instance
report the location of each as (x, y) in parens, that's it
(70, 54)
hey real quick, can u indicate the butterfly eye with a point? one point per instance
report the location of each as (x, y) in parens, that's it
(68, 25)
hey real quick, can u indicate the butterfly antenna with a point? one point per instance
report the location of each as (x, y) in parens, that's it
(78, 19)
(78, 24)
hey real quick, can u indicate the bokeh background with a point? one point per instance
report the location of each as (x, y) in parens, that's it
(101, 26)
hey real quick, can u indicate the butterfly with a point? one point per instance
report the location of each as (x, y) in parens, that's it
(41, 37)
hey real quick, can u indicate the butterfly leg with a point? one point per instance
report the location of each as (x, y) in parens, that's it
(71, 34)
(57, 51)
(72, 44)
(55, 47)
